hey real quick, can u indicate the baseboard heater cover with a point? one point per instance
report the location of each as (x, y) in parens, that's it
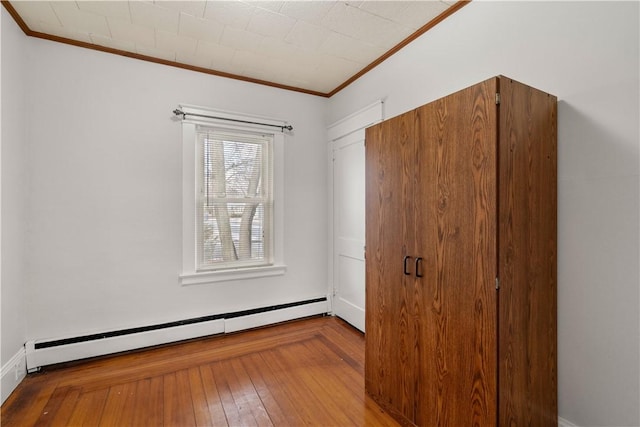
(47, 352)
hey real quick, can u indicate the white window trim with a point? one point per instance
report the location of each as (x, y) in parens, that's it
(189, 274)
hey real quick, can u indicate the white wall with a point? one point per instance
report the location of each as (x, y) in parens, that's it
(13, 179)
(587, 54)
(105, 192)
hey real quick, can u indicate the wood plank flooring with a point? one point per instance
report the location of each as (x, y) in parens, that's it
(307, 372)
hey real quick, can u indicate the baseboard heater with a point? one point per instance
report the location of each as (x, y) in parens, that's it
(47, 352)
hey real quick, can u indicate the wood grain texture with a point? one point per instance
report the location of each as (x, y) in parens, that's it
(456, 219)
(527, 258)
(472, 192)
(308, 372)
(389, 368)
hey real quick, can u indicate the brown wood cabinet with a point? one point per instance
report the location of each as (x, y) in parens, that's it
(461, 259)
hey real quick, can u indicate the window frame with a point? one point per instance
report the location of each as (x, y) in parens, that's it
(263, 139)
(190, 274)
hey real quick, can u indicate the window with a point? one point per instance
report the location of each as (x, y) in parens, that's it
(232, 197)
(235, 200)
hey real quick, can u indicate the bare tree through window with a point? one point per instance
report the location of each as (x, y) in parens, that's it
(235, 200)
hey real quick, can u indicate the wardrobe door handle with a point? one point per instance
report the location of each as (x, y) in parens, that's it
(406, 257)
(418, 263)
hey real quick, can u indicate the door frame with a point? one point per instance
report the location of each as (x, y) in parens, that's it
(336, 132)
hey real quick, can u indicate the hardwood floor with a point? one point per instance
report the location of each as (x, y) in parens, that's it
(308, 372)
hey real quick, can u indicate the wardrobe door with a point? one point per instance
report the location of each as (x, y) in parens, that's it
(390, 263)
(456, 221)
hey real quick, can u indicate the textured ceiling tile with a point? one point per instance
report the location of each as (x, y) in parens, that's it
(113, 44)
(74, 19)
(273, 6)
(124, 30)
(233, 14)
(342, 18)
(219, 54)
(280, 67)
(316, 45)
(200, 60)
(57, 30)
(319, 82)
(279, 49)
(349, 48)
(386, 9)
(198, 28)
(359, 24)
(225, 67)
(307, 35)
(313, 80)
(270, 24)
(156, 53)
(310, 11)
(276, 48)
(110, 9)
(263, 73)
(33, 12)
(337, 69)
(192, 7)
(249, 63)
(172, 42)
(240, 39)
(153, 16)
(418, 13)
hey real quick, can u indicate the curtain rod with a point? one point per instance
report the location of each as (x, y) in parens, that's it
(179, 112)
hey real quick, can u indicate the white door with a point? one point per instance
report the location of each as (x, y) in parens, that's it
(348, 229)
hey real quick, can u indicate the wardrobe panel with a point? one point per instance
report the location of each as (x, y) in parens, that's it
(527, 259)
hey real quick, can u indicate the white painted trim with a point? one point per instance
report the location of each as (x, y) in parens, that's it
(330, 287)
(354, 137)
(353, 314)
(339, 135)
(276, 316)
(205, 277)
(189, 274)
(83, 350)
(12, 373)
(36, 358)
(362, 118)
(564, 423)
(189, 195)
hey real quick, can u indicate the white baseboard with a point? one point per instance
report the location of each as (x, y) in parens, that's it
(564, 423)
(38, 357)
(59, 353)
(12, 373)
(276, 316)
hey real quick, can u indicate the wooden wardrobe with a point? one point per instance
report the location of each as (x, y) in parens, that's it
(461, 259)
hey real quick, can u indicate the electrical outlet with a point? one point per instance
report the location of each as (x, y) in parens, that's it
(18, 369)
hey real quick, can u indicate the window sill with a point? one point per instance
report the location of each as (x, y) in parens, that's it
(205, 277)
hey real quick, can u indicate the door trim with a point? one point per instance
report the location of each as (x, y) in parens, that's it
(337, 134)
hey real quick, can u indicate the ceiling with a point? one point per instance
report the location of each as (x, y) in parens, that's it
(316, 47)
